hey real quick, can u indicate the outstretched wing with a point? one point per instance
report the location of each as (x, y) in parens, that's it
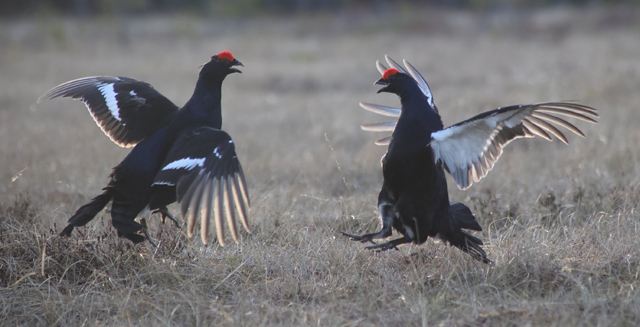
(127, 110)
(392, 111)
(208, 180)
(468, 150)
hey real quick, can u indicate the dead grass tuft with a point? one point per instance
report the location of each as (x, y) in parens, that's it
(560, 222)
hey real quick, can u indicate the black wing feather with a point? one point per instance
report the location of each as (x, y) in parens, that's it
(127, 110)
(469, 149)
(203, 167)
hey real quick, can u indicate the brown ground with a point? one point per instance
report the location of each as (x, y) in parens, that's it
(560, 221)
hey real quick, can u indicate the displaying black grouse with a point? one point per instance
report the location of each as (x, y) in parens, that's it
(179, 153)
(414, 198)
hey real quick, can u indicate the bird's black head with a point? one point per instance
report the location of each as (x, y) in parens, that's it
(393, 81)
(221, 65)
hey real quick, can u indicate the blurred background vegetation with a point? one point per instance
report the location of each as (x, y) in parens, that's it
(239, 8)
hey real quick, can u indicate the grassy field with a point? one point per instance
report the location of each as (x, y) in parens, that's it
(560, 222)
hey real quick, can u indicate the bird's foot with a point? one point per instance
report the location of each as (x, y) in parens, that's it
(382, 247)
(145, 231)
(166, 214)
(393, 244)
(362, 238)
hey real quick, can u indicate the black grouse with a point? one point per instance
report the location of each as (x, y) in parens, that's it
(414, 198)
(179, 153)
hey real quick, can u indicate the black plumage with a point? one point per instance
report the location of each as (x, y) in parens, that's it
(414, 198)
(173, 149)
(202, 172)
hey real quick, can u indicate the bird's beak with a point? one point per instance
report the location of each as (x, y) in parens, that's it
(236, 63)
(381, 82)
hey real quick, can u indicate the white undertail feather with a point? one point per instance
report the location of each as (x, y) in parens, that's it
(422, 83)
(394, 64)
(392, 111)
(469, 150)
(381, 67)
(411, 71)
(381, 110)
(387, 126)
(384, 142)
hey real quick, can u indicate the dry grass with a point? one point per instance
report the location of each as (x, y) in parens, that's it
(560, 221)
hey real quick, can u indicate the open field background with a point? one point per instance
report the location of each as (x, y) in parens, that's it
(560, 221)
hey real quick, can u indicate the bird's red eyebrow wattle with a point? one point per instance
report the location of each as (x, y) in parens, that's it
(226, 54)
(389, 72)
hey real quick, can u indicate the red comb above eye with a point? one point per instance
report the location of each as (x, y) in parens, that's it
(389, 72)
(225, 55)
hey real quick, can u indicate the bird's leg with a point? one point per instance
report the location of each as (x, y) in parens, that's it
(145, 231)
(388, 215)
(391, 244)
(166, 214)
